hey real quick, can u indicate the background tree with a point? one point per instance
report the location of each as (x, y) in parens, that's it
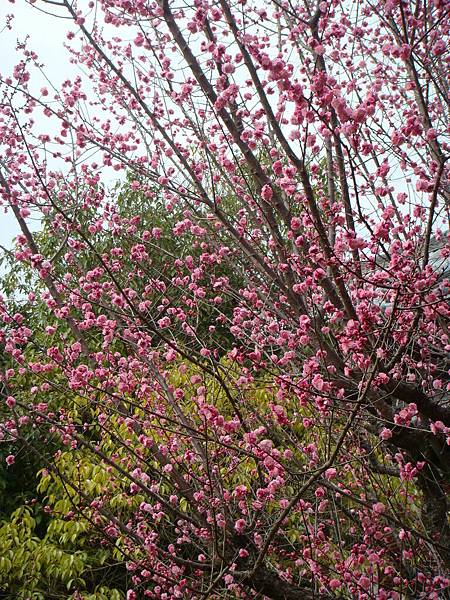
(302, 149)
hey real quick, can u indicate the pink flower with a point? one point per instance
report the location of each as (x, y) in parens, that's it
(439, 47)
(240, 525)
(378, 508)
(437, 427)
(319, 493)
(10, 460)
(318, 382)
(386, 434)
(277, 167)
(10, 401)
(295, 223)
(330, 473)
(364, 582)
(267, 192)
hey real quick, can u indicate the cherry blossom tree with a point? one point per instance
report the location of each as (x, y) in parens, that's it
(303, 148)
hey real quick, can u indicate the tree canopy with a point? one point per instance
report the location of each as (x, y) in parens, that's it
(228, 372)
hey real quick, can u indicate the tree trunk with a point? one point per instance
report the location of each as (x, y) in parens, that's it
(267, 582)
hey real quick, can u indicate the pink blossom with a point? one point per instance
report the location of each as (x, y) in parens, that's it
(334, 584)
(267, 192)
(386, 434)
(378, 508)
(330, 473)
(240, 525)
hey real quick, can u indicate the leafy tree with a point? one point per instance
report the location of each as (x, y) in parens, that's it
(264, 395)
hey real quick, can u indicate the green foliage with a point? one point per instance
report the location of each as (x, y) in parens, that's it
(53, 565)
(30, 565)
(44, 557)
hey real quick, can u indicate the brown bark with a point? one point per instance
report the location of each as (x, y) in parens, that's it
(266, 582)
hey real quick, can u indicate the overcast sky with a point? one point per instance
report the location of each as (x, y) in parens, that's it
(46, 35)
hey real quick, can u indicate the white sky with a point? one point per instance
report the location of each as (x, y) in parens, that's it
(48, 43)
